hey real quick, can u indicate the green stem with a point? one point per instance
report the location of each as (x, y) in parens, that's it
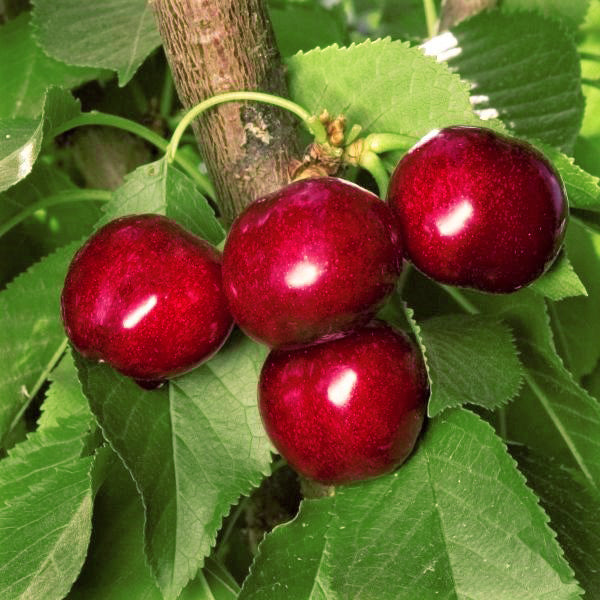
(386, 142)
(166, 97)
(311, 122)
(372, 163)
(591, 82)
(98, 118)
(589, 56)
(430, 17)
(231, 522)
(40, 381)
(353, 134)
(139, 97)
(458, 297)
(502, 428)
(60, 198)
(406, 271)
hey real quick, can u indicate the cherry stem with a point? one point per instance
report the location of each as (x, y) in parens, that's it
(371, 162)
(311, 122)
(63, 197)
(98, 118)
(386, 142)
(353, 134)
(430, 17)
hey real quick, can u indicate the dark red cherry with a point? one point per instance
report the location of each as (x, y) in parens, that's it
(478, 209)
(146, 296)
(316, 257)
(348, 408)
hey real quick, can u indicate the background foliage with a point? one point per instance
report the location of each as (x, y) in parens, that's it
(109, 491)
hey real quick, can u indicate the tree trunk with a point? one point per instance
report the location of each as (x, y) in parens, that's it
(454, 11)
(216, 46)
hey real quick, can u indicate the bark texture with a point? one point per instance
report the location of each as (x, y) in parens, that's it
(216, 46)
(454, 11)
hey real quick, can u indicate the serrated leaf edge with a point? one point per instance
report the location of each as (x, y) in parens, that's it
(546, 519)
(124, 74)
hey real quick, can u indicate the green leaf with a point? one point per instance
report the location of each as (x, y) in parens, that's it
(20, 145)
(21, 139)
(587, 153)
(193, 448)
(407, 92)
(582, 188)
(590, 43)
(403, 19)
(64, 398)
(456, 521)
(575, 320)
(115, 567)
(523, 69)
(26, 72)
(160, 188)
(32, 226)
(566, 417)
(46, 503)
(117, 545)
(574, 511)
(573, 12)
(560, 281)
(222, 584)
(113, 34)
(290, 562)
(52, 226)
(32, 338)
(471, 360)
(306, 26)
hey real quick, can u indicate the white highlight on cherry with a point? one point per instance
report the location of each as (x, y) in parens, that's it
(456, 219)
(138, 313)
(424, 139)
(302, 274)
(340, 389)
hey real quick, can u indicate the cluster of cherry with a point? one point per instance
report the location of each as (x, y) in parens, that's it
(304, 271)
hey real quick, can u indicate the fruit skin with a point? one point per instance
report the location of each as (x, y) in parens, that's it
(478, 209)
(145, 295)
(314, 258)
(345, 409)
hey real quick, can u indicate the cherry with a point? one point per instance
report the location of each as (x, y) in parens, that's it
(348, 408)
(145, 295)
(478, 209)
(316, 257)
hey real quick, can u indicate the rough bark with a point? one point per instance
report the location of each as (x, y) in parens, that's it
(454, 11)
(215, 46)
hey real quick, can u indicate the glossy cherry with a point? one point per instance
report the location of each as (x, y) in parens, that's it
(348, 408)
(146, 296)
(314, 258)
(478, 209)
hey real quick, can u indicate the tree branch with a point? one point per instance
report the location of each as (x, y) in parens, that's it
(454, 11)
(216, 46)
